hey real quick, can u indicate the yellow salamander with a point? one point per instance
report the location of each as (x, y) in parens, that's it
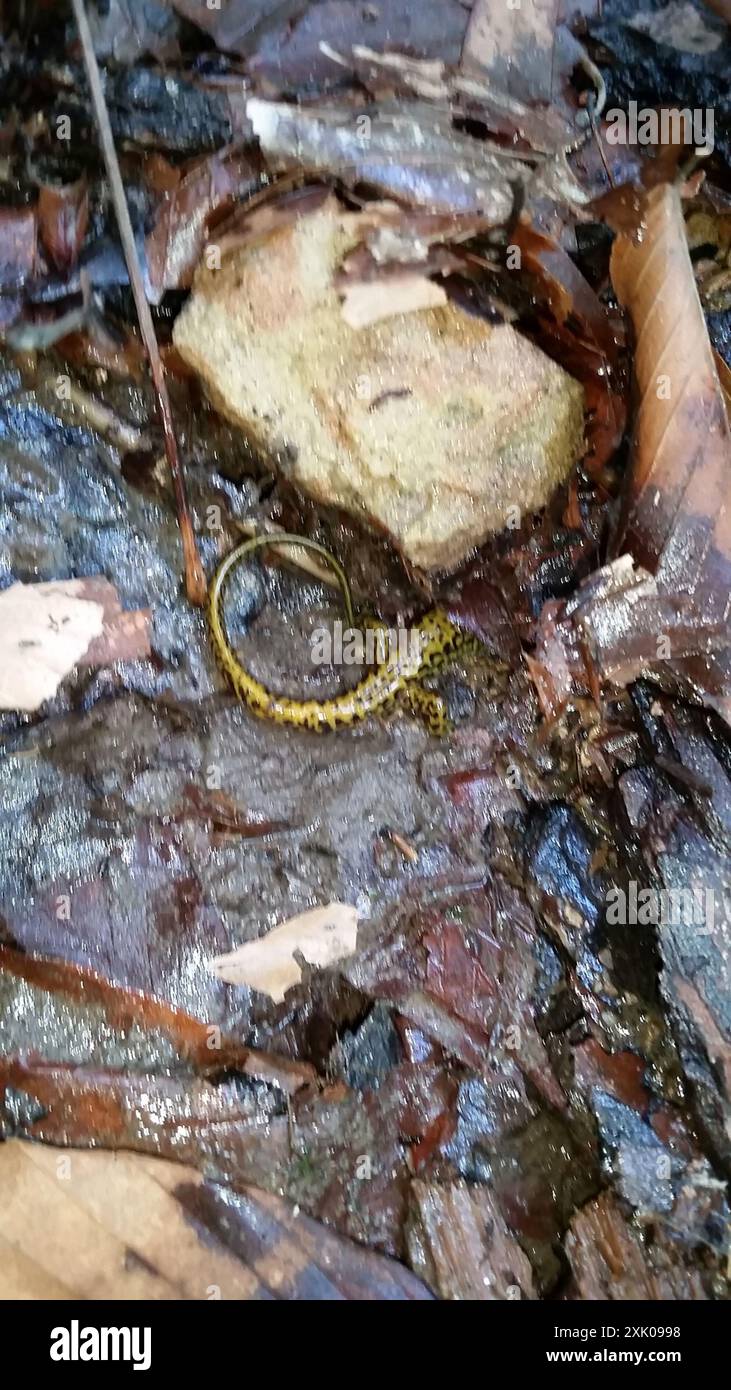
(437, 639)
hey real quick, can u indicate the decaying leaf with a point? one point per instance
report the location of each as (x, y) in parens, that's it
(95, 1225)
(611, 1262)
(190, 203)
(677, 514)
(468, 90)
(568, 293)
(63, 217)
(74, 987)
(322, 937)
(101, 1225)
(51, 628)
(18, 246)
(620, 624)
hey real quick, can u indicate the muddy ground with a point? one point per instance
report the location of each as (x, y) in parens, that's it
(495, 1039)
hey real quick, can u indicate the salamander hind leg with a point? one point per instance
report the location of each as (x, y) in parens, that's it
(428, 706)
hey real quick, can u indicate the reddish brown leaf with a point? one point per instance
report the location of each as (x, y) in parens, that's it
(466, 983)
(126, 361)
(619, 1074)
(191, 203)
(63, 217)
(569, 295)
(312, 1156)
(226, 815)
(677, 520)
(609, 631)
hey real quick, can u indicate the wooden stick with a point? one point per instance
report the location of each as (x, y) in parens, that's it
(195, 580)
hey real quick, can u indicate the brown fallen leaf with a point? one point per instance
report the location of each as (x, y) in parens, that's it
(568, 293)
(677, 520)
(223, 813)
(63, 217)
(191, 202)
(51, 628)
(125, 636)
(237, 1134)
(322, 936)
(677, 513)
(620, 625)
(95, 1225)
(100, 1225)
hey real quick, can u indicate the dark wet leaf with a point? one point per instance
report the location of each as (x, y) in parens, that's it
(309, 1262)
(464, 977)
(126, 30)
(688, 860)
(568, 294)
(18, 246)
(481, 609)
(236, 25)
(162, 111)
(411, 152)
(206, 1049)
(290, 57)
(618, 625)
(191, 202)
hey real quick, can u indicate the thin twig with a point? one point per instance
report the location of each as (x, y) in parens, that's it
(195, 580)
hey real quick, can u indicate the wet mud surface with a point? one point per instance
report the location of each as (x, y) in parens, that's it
(501, 1058)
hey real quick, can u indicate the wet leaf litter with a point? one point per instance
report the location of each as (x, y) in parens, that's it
(518, 1066)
